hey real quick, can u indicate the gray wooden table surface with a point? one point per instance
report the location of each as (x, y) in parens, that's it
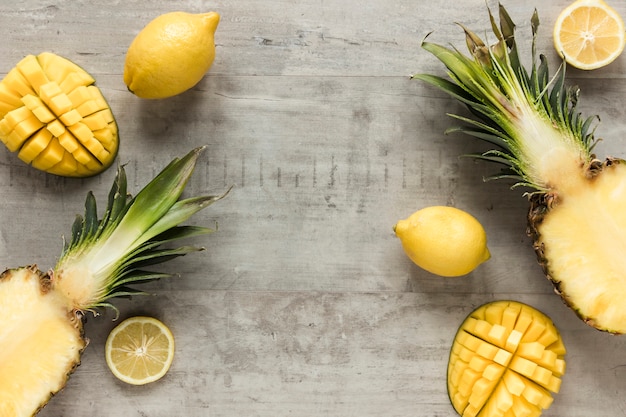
(303, 303)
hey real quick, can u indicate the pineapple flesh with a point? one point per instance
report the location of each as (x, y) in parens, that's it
(41, 341)
(41, 332)
(576, 217)
(583, 254)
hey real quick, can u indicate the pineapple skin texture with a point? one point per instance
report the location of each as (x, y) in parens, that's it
(40, 342)
(579, 242)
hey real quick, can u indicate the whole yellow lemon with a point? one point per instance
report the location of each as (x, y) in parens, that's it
(171, 54)
(443, 240)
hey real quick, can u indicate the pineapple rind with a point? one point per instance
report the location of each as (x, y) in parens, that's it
(41, 342)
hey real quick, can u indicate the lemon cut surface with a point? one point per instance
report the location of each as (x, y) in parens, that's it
(589, 34)
(140, 350)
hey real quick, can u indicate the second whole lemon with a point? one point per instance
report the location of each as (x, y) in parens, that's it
(443, 240)
(171, 54)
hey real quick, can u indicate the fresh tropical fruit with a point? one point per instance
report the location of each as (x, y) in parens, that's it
(576, 216)
(506, 360)
(589, 34)
(41, 332)
(171, 54)
(139, 350)
(443, 240)
(55, 117)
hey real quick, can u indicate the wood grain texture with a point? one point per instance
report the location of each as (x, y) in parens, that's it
(303, 303)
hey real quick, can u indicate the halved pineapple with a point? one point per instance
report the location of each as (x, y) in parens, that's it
(41, 341)
(55, 117)
(576, 214)
(506, 360)
(41, 331)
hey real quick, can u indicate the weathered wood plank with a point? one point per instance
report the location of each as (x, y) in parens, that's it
(282, 37)
(303, 302)
(322, 168)
(269, 354)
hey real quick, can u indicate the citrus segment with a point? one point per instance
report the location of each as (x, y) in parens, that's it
(589, 34)
(140, 350)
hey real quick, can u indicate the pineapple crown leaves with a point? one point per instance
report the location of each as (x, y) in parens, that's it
(502, 95)
(130, 236)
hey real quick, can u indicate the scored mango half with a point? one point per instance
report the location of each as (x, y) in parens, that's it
(55, 118)
(506, 360)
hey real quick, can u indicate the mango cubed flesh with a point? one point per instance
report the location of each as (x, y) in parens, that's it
(24, 129)
(493, 312)
(512, 358)
(74, 80)
(58, 68)
(70, 118)
(5, 130)
(97, 120)
(17, 84)
(79, 96)
(56, 127)
(43, 102)
(38, 107)
(498, 335)
(20, 129)
(89, 107)
(68, 141)
(514, 382)
(531, 350)
(502, 399)
(9, 96)
(67, 164)
(50, 156)
(5, 108)
(16, 116)
(59, 104)
(32, 72)
(35, 145)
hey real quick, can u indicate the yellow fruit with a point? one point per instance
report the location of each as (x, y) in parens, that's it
(140, 350)
(443, 240)
(46, 105)
(507, 359)
(589, 34)
(171, 54)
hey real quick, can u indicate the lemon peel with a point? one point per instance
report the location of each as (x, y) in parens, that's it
(171, 54)
(443, 240)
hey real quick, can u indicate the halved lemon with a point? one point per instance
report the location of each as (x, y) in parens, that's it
(589, 34)
(140, 350)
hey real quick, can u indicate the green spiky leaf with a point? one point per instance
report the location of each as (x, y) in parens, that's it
(523, 113)
(109, 254)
